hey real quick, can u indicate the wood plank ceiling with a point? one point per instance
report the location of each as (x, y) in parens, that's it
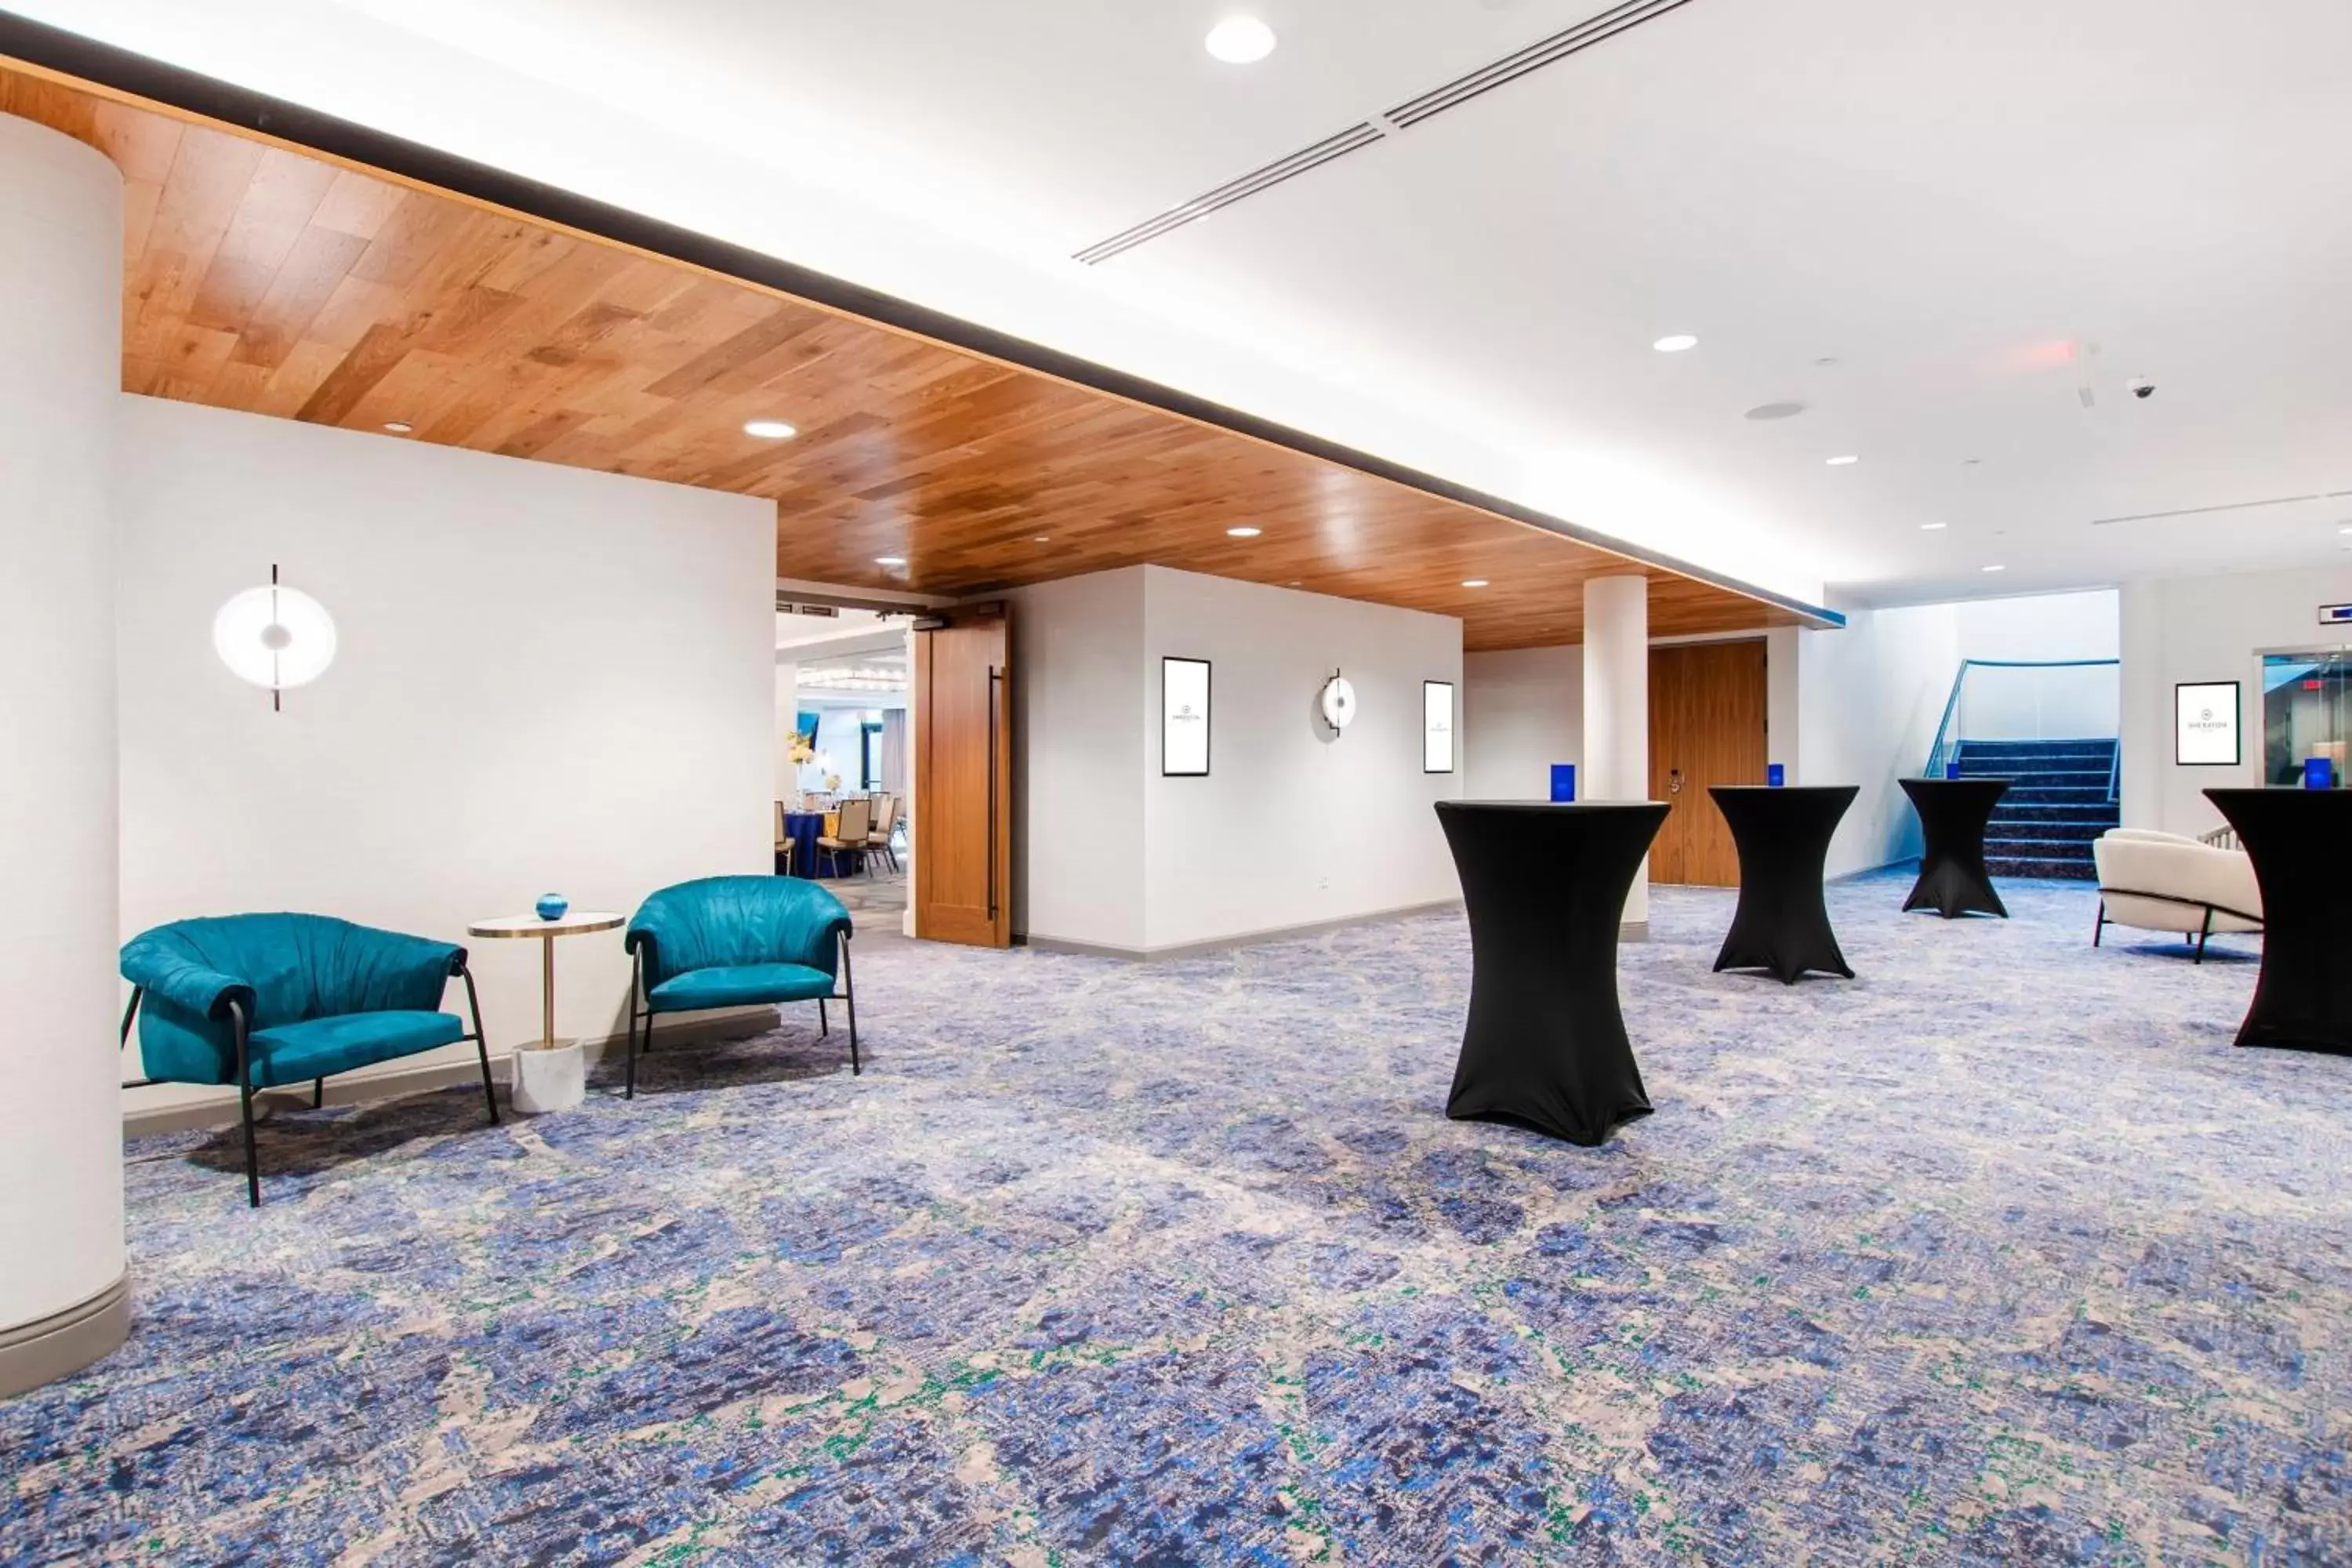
(268, 279)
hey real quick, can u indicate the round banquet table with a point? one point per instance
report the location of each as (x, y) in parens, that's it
(1545, 889)
(1782, 925)
(803, 828)
(2300, 841)
(1953, 881)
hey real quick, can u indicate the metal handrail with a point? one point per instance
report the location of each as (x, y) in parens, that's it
(1937, 753)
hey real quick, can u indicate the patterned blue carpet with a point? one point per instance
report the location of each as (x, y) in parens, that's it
(1997, 1254)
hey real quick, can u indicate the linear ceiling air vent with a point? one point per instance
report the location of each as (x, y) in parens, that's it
(1232, 191)
(2226, 506)
(1412, 111)
(1535, 57)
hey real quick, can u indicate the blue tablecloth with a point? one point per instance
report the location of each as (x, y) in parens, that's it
(802, 827)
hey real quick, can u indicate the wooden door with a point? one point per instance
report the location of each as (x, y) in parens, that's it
(1707, 727)
(964, 778)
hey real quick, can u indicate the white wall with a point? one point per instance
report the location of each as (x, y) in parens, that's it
(1868, 700)
(60, 363)
(1081, 695)
(2016, 704)
(2209, 628)
(1291, 827)
(548, 680)
(1522, 710)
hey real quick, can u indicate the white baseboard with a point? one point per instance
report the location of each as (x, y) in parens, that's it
(1239, 939)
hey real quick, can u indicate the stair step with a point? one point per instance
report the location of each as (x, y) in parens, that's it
(2103, 811)
(2083, 833)
(2060, 870)
(2089, 778)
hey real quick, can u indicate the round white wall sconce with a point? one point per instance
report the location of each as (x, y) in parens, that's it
(1339, 701)
(275, 636)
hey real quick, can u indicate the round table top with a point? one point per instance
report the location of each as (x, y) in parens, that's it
(573, 923)
(1782, 789)
(1545, 805)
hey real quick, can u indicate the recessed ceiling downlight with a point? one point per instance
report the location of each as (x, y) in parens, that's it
(1243, 533)
(770, 429)
(1674, 343)
(889, 561)
(1775, 411)
(1241, 41)
(1474, 582)
(1996, 568)
(1841, 462)
(398, 426)
(1932, 527)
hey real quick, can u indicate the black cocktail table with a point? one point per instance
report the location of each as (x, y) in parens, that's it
(2300, 841)
(1545, 887)
(1953, 881)
(1781, 924)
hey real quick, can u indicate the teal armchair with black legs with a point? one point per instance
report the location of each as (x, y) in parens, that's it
(734, 942)
(262, 1001)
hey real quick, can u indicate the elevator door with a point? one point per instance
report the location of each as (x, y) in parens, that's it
(1707, 727)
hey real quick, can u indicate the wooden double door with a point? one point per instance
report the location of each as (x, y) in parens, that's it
(963, 777)
(1707, 727)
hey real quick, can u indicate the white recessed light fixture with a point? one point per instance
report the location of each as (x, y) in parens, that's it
(1841, 462)
(275, 637)
(770, 429)
(1474, 582)
(2346, 529)
(1042, 539)
(398, 426)
(1241, 41)
(889, 561)
(1996, 568)
(1674, 343)
(1932, 527)
(1243, 533)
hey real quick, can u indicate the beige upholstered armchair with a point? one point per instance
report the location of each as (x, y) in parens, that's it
(2161, 881)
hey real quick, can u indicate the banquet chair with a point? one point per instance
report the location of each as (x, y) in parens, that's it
(849, 833)
(886, 821)
(783, 844)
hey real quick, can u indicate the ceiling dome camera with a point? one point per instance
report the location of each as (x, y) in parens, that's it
(2143, 388)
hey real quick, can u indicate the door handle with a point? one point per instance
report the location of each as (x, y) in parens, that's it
(995, 676)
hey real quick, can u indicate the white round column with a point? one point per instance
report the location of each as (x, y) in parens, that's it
(1617, 710)
(63, 1300)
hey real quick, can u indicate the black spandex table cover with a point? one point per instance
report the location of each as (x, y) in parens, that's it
(2300, 841)
(1781, 924)
(1545, 887)
(1953, 881)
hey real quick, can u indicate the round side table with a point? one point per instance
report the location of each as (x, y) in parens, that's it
(552, 1075)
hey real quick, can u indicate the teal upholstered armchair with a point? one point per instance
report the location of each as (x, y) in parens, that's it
(733, 942)
(260, 1001)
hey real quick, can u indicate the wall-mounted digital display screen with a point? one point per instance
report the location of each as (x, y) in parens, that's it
(1184, 718)
(1436, 727)
(2205, 724)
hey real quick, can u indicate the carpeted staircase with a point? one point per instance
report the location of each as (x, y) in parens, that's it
(2044, 824)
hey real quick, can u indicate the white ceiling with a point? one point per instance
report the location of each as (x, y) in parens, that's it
(1947, 200)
